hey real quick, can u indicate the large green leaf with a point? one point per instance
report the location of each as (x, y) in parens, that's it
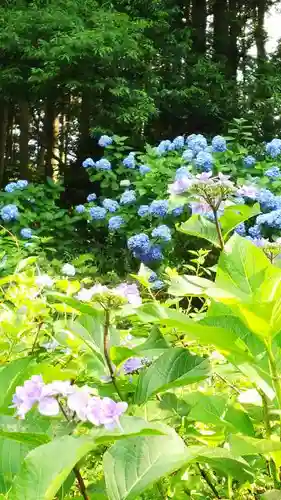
(244, 445)
(189, 285)
(242, 268)
(155, 345)
(46, 468)
(176, 367)
(271, 495)
(130, 466)
(223, 339)
(12, 455)
(235, 214)
(201, 227)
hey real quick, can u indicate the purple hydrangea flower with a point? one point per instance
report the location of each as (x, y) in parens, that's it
(132, 365)
(105, 412)
(129, 292)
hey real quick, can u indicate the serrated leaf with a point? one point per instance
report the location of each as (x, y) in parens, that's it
(201, 227)
(175, 368)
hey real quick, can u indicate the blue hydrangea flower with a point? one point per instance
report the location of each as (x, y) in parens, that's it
(197, 142)
(178, 142)
(89, 162)
(219, 144)
(144, 169)
(187, 155)
(91, 197)
(163, 147)
(115, 223)
(273, 173)
(154, 254)
(26, 233)
(143, 210)
(68, 270)
(267, 200)
(103, 164)
(240, 229)
(273, 148)
(255, 231)
(80, 209)
(132, 365)
(97, 213)
(139, 243)
(178, 211)
(157, 285)
(21, 184)
(249, 161)
(182, 172)
(159, 208)
(204, 161)
(162, 232)
(110, 205)
(105, 140)
(11, 187)
(9, 213)
(128, 197)
(153, 277)
(272, 219)
(130, 161)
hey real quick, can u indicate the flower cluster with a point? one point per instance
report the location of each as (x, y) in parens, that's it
(110, 205)
(26, 233)
(130, 161)
(9, 213)
(91, 197)
(115, 223)
(68, 270)
(80, 402)
(12, 186)
(162, 232)
(125, 292)
(273, 148)
(105, 140)
(143, 249)
(249, 161)
(273, 173)
(128, 197)
(97, 213)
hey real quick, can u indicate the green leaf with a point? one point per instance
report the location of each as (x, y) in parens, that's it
(74, 303)
(224, 340)
(118, 354)
(175, 368)
(46, 468)
(25, 263)
(189, 285)
(29, 438)
(129, 427)
(235, 214)
(244, 445)
(271, 495)
(201, 227)
(130, 466)
(155, 345)
(242, 268)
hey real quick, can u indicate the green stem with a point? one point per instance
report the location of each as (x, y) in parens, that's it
(229, 487)
(106, 351)
(36, 337)
(208, 480)
(79, 478)
(218, 228)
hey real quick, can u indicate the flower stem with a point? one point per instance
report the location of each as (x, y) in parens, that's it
(218, 228)
(208, 480)
(36, 337)
(79, 478)
(270, 463)
(106, 351)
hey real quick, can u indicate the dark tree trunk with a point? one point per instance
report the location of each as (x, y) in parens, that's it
(260, 33)
(85, 144)
(220, 39)
(3, 137)
(199, 22)
(49, 136)
(24, 138)
(234, 32)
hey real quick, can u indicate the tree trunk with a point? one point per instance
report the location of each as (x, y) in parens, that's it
(85, 142)
(234, 32)
(260, 33)
(49, 137)
(3, 138)
(24, 138)
(220, 39)
(199, 22)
